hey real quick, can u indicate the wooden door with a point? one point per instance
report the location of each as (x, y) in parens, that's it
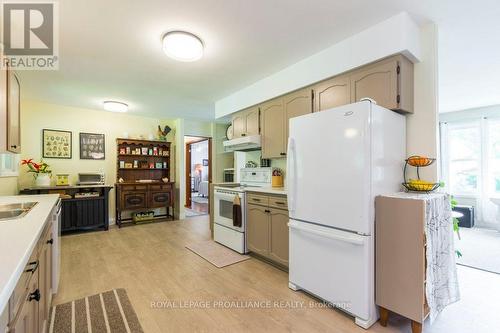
(239, 124)
(258, 230)
(252, 121)
(378, 82)
(332, 93)
(273, 129)
(296, 104)
(188, 176)
(13, 114)
(278, 247)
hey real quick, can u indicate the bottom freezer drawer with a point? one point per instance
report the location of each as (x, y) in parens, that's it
(334, 265)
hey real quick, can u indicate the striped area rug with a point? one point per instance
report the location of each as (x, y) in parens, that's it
(107, 312)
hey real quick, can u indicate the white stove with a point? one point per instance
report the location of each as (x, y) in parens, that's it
(226, 232)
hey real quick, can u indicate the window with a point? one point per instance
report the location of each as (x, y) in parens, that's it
(493, 151)
(9, 165)
(464, 157)
(470, 153)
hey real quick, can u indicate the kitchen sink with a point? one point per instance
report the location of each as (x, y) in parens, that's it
(15, 210)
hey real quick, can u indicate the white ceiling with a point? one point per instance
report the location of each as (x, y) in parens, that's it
(111, 49)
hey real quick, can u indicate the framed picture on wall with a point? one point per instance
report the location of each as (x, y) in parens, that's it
(205, 162)
(56, 144)
(92, 146)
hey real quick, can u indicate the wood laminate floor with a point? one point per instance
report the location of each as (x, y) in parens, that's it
(151, 262)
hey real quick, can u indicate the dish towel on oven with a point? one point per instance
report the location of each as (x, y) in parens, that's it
(441, 274)
(237, 218)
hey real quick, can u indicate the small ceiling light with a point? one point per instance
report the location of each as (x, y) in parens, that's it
(115, 106)
(182, 46)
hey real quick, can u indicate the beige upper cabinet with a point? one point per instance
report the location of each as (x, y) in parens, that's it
(252, 121)
(13, 114)
(278, 246)
(296, 104)
(10, 117)
(239, 124)
(388, 82)
(246, 122)
(273, 130)
(332, 93)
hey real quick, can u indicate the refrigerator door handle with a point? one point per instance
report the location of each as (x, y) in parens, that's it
(354, 239)
(291, 178)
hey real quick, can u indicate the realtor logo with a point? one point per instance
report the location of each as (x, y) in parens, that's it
(30, 35)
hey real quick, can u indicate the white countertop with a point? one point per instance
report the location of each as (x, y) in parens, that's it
(18, 238)
(268, 190)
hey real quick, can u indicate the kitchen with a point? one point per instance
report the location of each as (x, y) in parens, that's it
(311, 162)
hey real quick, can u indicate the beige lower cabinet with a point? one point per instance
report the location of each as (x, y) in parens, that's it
(258, 229)
(267, 228)
(29, 305)
(278, 244)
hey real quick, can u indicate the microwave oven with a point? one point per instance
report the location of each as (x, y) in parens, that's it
(91, 179)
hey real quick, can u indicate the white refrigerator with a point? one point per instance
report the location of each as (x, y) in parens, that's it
(338, 161)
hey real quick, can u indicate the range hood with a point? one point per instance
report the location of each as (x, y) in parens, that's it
(245, 143)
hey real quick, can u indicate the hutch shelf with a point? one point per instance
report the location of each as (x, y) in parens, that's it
(143, 178)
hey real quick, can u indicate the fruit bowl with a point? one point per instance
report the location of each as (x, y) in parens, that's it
(420, 161)
(421, 187)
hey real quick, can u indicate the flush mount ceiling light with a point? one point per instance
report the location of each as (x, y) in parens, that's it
(182, 46)
(115, 106)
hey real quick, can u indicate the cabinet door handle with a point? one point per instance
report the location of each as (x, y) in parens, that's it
(267, 211)
(35, 296)
(243, 134)
(279, 202)
(50, 241)
(283, 154)
(255, 199)
(13, 146)
(33, 268)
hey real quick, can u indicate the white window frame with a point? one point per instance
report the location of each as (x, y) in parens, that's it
(445, 156)
(6, 171)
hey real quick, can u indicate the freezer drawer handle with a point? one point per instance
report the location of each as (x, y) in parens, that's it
(327, 235)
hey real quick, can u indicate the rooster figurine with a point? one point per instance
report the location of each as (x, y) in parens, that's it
(162, 134)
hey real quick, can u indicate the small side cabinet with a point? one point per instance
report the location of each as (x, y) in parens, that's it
(267, 228)
(136, 197)
(400, 250)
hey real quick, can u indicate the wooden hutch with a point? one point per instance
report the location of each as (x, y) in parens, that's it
(144, 166)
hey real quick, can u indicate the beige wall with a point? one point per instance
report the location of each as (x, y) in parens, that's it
(36, 116)
(8, 185)
(422, 127)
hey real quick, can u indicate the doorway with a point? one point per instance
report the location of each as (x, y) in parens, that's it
(198, 175)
